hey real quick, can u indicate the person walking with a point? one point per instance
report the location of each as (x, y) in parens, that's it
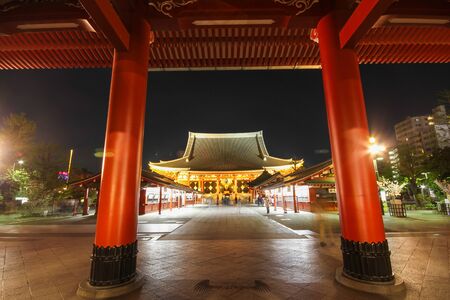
(325, 233)
(267, 204)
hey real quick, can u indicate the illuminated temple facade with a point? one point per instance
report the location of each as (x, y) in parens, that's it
(219, 166)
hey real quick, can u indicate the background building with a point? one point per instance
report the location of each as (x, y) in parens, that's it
(219, 166)
(425, 133)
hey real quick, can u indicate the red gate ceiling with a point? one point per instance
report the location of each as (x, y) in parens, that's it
(216, 34)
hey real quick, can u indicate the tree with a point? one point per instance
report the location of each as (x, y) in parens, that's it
(16, 138)
(438, 164)
(45, 188)
(392, 188)
(385, 169)
(444, 97)
(410, 167)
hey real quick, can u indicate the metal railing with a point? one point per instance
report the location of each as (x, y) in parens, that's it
(397, 210)
(444, 208)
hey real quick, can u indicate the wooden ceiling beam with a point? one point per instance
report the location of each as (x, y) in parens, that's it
(109, 22)
(361, 20)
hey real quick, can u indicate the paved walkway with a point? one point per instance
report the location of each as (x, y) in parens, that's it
(295, 267)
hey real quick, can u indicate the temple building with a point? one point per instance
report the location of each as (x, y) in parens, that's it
(219, 166)
(306, 189)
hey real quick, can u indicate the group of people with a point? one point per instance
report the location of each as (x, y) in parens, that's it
(324, 228)
(262, 199)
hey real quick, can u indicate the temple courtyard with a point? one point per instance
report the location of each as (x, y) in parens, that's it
(224, 253)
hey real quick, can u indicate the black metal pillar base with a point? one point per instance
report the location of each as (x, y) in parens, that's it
(113, 272)
(367, 267)
(369, 262)
(113, 265)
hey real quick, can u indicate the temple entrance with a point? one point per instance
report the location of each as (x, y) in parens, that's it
(134, 37)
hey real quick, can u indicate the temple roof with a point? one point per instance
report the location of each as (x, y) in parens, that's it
(224, 152)
(309, 176)
(214, 34)
(303, 175)
(147, 179)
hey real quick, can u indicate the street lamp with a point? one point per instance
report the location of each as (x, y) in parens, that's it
(375, 149)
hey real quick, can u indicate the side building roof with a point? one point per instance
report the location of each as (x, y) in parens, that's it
(224, 152)
(310, 175)
(147, 179)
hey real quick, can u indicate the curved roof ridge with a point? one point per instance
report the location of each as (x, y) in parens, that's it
(225, 152)
(225, 135)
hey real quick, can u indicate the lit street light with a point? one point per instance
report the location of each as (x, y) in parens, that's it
(375, 149)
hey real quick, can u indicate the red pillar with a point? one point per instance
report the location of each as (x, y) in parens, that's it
(160, 200)
(115, 246)
(96, 202)
(86, 203)
(275, 201)
(294, 198)
(142, 201)
(360, 217)
(312, 197)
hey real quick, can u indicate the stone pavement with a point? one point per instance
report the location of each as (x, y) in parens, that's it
(206, 267)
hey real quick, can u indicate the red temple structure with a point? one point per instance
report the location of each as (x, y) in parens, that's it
(135, 36)
(157, 192)
(301, 189)
(219, 165)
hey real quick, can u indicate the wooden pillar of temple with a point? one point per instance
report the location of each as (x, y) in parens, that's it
(275, 201)
(283, 201)
(170, 199)
(115, 245)
(235, 188)
(86, 203)
(294, 198)
(160, 199)
(96, 202)
(142, 201)
(364, 247)
(217, 191)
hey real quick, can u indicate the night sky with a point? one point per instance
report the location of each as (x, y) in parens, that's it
(70, 106)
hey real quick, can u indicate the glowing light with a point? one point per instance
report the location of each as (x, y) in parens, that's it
(372, 140)
(20, 162)
(422, 186)
(376, 149)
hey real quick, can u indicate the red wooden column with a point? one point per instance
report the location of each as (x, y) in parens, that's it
(160, 200)
(86, 203)
(142, 201)
(115, 248)
(364, 246)
(312, 197)
(294, 198)
(275, 201)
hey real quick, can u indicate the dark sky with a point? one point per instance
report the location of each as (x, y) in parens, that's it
(70, 106)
